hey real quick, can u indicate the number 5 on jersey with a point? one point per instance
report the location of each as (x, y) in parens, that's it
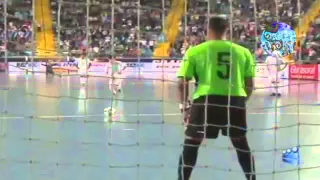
(224, 63)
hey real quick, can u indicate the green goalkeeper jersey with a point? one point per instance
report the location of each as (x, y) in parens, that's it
(221, 68)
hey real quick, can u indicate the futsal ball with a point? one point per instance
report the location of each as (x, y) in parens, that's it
(109, 111)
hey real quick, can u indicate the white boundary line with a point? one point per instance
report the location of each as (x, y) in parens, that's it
(144, 115)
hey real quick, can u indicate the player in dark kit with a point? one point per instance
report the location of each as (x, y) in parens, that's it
(225, 74)
(49, 67)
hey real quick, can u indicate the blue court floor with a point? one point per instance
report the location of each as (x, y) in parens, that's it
(51, 129)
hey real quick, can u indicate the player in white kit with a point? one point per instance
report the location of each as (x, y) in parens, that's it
(115, 70)
(274, 63)
(83, 66)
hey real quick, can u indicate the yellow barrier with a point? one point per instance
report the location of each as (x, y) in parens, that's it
(46, 42)
(171, 30)
(306, 21)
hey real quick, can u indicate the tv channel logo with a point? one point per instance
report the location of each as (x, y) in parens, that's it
(278, 36)
(292, 156)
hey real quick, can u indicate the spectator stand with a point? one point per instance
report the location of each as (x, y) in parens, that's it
(126, 40)
(18, 41)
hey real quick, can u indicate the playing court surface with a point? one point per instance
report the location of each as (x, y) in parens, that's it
(52, 129)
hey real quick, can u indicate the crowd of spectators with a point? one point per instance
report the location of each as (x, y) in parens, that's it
(19, 28)
(311, 50)
(136, 31)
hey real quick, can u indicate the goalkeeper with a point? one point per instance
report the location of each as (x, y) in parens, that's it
(225, 79)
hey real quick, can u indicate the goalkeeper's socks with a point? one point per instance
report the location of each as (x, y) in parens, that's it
(188, 159)
(245, 158)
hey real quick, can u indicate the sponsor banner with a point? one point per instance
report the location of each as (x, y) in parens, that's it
(64, 59)
(68, 66)
(135, 60)
(174, 65)
(318, 71)
(100, 67)
(161, 67)
(139, 67)
(262, 72)
(71, 67)
(61, 71)
(61, 67)
(304, 72)
(3, 67)
(97, 67)
(166, 65)
(135, 65)
(23, 66)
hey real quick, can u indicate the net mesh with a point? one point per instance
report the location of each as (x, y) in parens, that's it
(52, 127)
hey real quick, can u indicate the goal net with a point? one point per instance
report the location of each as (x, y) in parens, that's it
(54, 127)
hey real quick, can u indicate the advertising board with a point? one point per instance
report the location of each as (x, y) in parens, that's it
(162, 67)
(66, 66)
(98, 67)
(166, 65)
(23, 66)
(135, 65)
(62, 67)
(304, 71)
(71, 67)
(3, 67)
(262, 72)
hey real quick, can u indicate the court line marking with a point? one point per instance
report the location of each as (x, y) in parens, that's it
(144, 115)
(128, 129)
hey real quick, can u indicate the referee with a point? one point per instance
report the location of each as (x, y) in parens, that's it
(225, 74)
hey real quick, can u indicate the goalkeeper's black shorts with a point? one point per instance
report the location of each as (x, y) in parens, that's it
(217, 115)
